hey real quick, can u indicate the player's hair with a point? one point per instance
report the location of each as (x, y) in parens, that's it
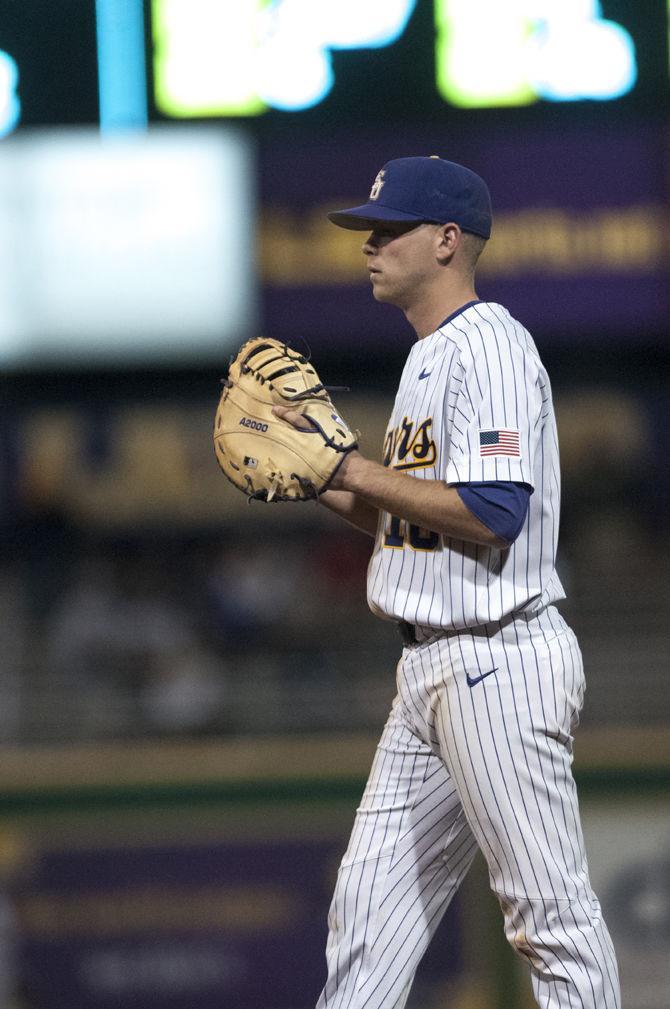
(472, 246)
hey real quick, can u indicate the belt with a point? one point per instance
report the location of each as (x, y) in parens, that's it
(407, 632)
(417, 634)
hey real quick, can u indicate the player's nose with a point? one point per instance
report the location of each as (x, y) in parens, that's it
(370, 244)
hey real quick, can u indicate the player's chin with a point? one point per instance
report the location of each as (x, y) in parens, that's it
(380, 292)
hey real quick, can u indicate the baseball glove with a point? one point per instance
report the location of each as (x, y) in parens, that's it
(262, 454)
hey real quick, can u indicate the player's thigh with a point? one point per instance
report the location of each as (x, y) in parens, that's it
(408, 791)
(409, 825)
(506, 739)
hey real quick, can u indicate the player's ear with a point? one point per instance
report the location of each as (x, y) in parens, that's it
(448, 238)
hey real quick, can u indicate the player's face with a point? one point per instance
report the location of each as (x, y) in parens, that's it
(401, 262)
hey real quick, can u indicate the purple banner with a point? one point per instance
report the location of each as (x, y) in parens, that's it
(579, 250)
(229, 925)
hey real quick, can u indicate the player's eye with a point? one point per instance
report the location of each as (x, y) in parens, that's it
(395, 230)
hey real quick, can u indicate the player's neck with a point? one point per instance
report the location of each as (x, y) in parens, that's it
(429, 313)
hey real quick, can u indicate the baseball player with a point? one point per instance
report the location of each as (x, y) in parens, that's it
(476, 752)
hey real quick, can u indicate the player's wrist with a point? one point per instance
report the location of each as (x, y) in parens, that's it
(348, 475)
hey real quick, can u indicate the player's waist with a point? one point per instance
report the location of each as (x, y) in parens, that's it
(419, 634)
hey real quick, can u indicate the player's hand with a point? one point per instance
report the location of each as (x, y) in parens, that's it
(293, 417)
(301, 423)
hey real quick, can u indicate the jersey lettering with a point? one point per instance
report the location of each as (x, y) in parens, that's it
(400, 531)
(407, 447)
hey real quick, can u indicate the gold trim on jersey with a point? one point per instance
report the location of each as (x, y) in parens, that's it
(412, 439)
(399, 533)
(409, 446)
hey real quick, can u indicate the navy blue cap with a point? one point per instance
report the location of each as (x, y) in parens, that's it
(422, 189)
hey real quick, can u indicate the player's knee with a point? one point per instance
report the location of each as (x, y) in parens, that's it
(539, 928)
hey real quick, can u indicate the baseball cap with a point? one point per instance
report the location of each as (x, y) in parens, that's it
(422, 189)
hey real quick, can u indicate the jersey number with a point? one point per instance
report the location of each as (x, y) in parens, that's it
(419, 539)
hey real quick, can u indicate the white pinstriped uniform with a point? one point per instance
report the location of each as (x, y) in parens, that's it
(482, 373)
(477, 749)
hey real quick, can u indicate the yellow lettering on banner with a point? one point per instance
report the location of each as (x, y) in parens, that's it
(562, 243)
(155, 461)
(50, 440)
(252, 908)
(158, 463)
(297, 249)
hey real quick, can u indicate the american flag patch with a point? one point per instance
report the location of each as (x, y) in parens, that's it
(499, 443)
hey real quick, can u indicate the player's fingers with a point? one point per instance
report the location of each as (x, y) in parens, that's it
(292, 417)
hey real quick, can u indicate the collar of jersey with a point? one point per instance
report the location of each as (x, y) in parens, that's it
(459, 311)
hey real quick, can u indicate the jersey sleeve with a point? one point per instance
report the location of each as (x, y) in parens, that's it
(501, 507)
(493, 411)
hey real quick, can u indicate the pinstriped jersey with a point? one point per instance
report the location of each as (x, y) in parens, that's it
(474, 404)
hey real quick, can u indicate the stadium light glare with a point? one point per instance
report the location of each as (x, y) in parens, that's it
(121, 65)
(489, 54)
(241, 57)
(205, 58)
(10, 105)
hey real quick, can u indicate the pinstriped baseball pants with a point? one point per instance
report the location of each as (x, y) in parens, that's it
(476, 753)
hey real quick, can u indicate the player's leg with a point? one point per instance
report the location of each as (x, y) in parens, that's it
(409, 850)
(506, 738)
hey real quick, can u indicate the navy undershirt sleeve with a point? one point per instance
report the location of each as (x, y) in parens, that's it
(501, 506)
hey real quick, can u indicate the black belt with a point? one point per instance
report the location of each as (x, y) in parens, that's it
(407, 632)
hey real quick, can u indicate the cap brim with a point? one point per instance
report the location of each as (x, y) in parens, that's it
(368, 215)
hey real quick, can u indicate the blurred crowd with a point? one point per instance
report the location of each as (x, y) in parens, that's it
(256, 626)
(179, 633)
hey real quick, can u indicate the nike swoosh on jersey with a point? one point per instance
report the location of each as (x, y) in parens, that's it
(424, 374)
(472, 680)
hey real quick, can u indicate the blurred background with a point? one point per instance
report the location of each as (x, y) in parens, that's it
(191, 687)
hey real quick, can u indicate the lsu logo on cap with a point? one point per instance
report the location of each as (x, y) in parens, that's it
(377, 185)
